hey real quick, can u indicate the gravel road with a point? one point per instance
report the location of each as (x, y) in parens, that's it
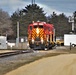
(64, 64)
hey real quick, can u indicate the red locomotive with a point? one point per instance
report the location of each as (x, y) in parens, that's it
(41, 35)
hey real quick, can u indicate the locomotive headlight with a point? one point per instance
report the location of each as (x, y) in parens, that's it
(32, 40)
(42, 40)
(37, 30)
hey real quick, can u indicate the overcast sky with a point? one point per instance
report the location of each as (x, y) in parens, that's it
(49, 6)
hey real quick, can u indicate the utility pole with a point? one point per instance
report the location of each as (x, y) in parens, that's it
(33, 1)
(18, 32)
(71, 19)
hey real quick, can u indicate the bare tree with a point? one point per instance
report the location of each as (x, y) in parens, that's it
(5, 23)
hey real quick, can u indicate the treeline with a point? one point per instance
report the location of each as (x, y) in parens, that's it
(32, 12)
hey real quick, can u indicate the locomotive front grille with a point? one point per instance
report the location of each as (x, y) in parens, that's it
(37, 39)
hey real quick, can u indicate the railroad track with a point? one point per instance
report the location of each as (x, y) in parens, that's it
(14, 53)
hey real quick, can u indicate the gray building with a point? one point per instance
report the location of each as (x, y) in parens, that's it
(3, 42)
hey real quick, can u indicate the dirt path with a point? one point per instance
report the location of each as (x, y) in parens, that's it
(58, 65)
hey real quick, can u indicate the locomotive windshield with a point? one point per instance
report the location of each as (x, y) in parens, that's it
(38, 26)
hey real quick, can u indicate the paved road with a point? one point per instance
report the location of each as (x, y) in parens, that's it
(58, 65)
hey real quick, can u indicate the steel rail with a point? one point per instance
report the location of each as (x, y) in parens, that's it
(6, 54)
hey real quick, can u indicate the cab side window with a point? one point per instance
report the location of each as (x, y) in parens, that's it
(49, 28)
(44, 27)
(30, 27)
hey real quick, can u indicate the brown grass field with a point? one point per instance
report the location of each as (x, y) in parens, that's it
(12, 65)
